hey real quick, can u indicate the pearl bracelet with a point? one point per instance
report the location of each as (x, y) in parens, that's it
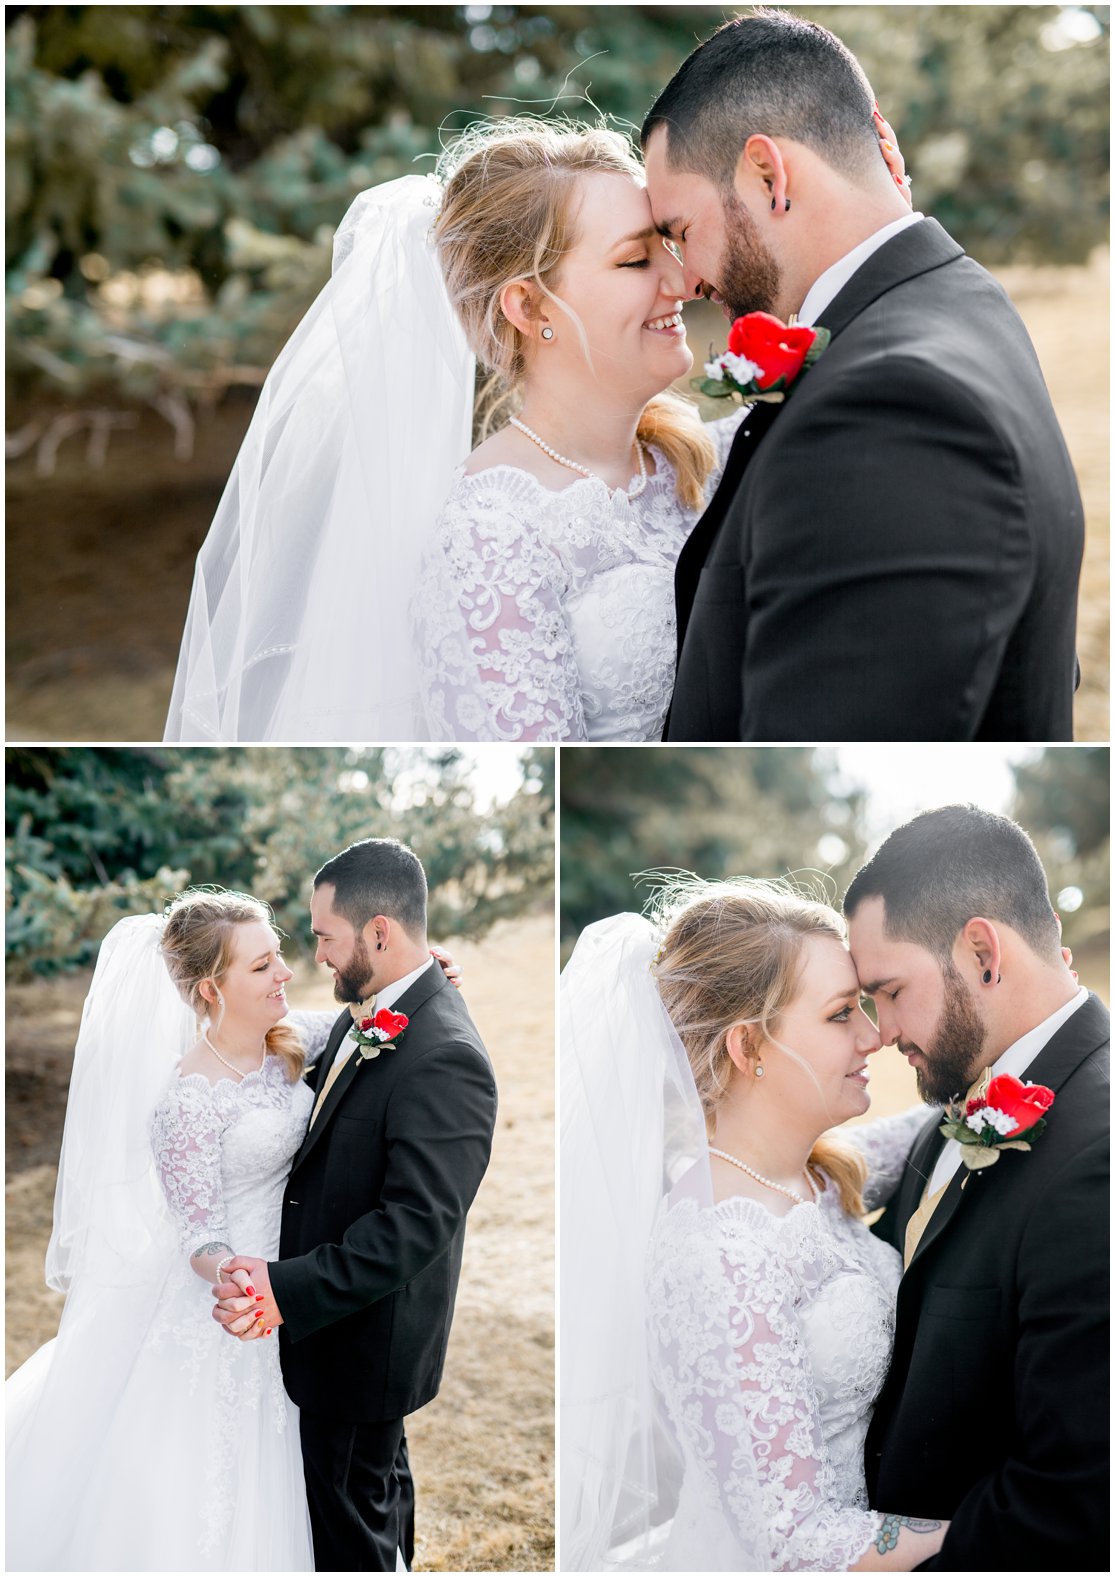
(228, 1259)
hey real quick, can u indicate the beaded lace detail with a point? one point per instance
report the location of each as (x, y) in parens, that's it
(549, 615)
(770, 1339)
(223, 1152)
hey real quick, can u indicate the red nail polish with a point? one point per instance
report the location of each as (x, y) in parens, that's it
(259, 1297)
(267, 1332)
(250, 1289)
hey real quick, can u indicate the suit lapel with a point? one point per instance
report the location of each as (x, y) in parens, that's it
(916, 250)
(410, 1002)
(696, 548)
(1087, 1030)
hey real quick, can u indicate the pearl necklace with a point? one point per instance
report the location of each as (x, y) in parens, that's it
(240, 1073)
(632, 492)
(799, 1199)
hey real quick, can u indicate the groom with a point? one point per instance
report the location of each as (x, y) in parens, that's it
(374, 1216)
(893, 553)
(995, 1412)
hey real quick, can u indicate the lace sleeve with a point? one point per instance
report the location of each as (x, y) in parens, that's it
(313, 1027)
(885, 1145)
(186, 1138)
(737, 1377)
(498, 657)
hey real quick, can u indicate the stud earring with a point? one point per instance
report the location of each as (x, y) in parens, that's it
(759, 1070)
(547, 333)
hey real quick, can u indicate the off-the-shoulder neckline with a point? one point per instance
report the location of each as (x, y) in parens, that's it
(227, 1078)
(663, 472)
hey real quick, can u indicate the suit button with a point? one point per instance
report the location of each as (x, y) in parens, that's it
(292, 1201)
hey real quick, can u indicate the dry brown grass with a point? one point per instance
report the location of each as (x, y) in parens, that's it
(482, 1452)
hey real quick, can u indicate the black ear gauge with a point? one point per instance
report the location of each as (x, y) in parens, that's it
(987, 977)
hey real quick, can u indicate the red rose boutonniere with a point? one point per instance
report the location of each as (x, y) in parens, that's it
(378, 1032)
(1010, 1117)
(763, 358)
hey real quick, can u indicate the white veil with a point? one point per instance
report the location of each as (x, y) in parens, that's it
(631, 1128)
(114, 1241)
(299, 626)
(111, 1222)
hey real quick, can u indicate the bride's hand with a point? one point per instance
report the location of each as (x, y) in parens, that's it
(236, 1304)
(892, 153)
(451, 968)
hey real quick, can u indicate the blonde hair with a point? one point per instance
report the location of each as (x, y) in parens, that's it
(197, 945)
(732, 954)
(509, 211)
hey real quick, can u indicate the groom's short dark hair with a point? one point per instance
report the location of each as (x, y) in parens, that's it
(768, 73)
(378, 876)
(945, 866)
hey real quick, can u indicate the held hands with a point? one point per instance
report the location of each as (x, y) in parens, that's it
(246, 1306)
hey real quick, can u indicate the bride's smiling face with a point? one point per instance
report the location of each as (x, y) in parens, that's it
(830, 1035)
(253, 985)
(625, 288)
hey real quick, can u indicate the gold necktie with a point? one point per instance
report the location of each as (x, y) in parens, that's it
(915, 1227)
(359, 1011)
(331, 1079)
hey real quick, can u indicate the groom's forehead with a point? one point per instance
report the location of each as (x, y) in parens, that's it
(877, 956)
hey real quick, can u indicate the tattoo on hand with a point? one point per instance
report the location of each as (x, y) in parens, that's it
(887, 1536)
(210, 1248)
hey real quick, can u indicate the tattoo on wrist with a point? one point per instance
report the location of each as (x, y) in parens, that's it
(210, 1248)
(887, 1536)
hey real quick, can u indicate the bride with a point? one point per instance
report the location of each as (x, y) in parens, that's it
(359, 581)
(726, 1317)
(141, 1438)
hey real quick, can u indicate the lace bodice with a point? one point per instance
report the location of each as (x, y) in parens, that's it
(549, 615)
(223, 1152)
(770, 1339)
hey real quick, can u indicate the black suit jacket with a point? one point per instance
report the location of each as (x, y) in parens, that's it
(894, 552)
(995, 1410)
(374, 1215)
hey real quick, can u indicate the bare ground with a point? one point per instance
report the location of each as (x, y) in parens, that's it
(482, 1452)
(100, 562)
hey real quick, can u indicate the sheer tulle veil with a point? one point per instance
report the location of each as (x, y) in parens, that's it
(113, 1240)
(299, 625)
(633, 1141)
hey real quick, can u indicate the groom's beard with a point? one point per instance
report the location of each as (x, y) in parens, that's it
(750, 279)
(953, 1058)
(354, 981)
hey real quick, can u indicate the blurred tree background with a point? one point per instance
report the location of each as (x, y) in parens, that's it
(775, 812)
(174, 175)
(175, 172)
(96, 833)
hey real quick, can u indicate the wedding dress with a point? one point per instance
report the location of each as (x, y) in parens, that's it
(809, 1301)
(549, 615)
(719, 1363)
(143, 1437)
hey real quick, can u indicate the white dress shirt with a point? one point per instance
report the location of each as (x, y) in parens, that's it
(384, 999)
(1016, 1059)
(828, 285)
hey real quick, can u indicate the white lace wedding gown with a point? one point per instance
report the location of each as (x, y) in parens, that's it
(550, 615)
(803, 1304)
(162, 1444)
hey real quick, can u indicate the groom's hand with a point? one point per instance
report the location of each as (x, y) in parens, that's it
(247, 1318)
